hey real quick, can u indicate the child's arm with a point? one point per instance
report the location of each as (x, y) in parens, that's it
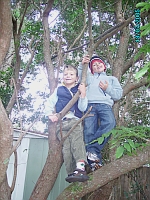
(114, 89)
(82, 90)
(85, 60)
(82, 102)
(50, 107)
(53, 117)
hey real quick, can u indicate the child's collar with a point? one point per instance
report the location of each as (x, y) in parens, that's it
(99, 73)
(63, 84)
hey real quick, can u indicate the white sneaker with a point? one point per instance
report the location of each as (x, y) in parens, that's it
(93, 161)
(94, 166)
(92, 157)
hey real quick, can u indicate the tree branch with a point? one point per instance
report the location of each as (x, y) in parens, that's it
(91, 40)
(23, 16)
(6, 137)
(17, 87)
(132, 86)
(15, 172)
(5, 29)
(48, 8)
(78, 121)
(46, 47)
(21, 136)
(106, 174)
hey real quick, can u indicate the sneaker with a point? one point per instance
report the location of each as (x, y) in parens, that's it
(92, 157)
(94, 166)
(93, 161)
(77, 176)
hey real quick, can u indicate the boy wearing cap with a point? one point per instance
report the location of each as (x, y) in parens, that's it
(74, 153)
(102, 92)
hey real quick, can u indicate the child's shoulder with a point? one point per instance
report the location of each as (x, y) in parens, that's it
(111, 76)
(113, 79)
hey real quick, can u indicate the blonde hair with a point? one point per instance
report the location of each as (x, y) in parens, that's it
(71, 67)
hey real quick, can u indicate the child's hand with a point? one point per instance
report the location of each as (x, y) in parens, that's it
(85, 60)
(53, 118)
(82, 90)
(103, 85)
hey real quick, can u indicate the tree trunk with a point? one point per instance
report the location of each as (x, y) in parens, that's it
(5, 28)
(6, 130)
(51, 168)
(5, 191)
(6, 139)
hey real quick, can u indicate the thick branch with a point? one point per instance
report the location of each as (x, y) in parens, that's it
(123, 43)
(5, 28)
(78, 121)
(107, 34)
(6, 137)
(48, 8)
(51, 168)
(132, 86)
(112, 31)
(69, 105)
(23, 16)
(130, 62)
(55, 149)
(46, 47)
(90, 49)
(106, 174)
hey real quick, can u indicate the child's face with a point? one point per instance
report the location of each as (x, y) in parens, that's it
(98, 67)
(70, 77)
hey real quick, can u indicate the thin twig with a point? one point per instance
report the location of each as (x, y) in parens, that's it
(21, 136)
(16, 91)
(78, 121)
(15, 172)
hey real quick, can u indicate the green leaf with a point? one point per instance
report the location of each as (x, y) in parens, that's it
(114, 131)
(145, 29)
(127, 147)
(142, 4)
(113, 146)
(100, 140)
(142, 71)
(113, 142)
(147, 26)
(93, 141)
(131, 143)
(107, 134)
(119, 151)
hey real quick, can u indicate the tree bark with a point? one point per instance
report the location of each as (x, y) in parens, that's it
(106, 174)
(5, 28)
(6, 139)
(6, 130)
(51, 168)
(5, 190)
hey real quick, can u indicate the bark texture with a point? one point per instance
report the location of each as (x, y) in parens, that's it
(6, 129)
(5, 28)
(6, 138)
(106, 174)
